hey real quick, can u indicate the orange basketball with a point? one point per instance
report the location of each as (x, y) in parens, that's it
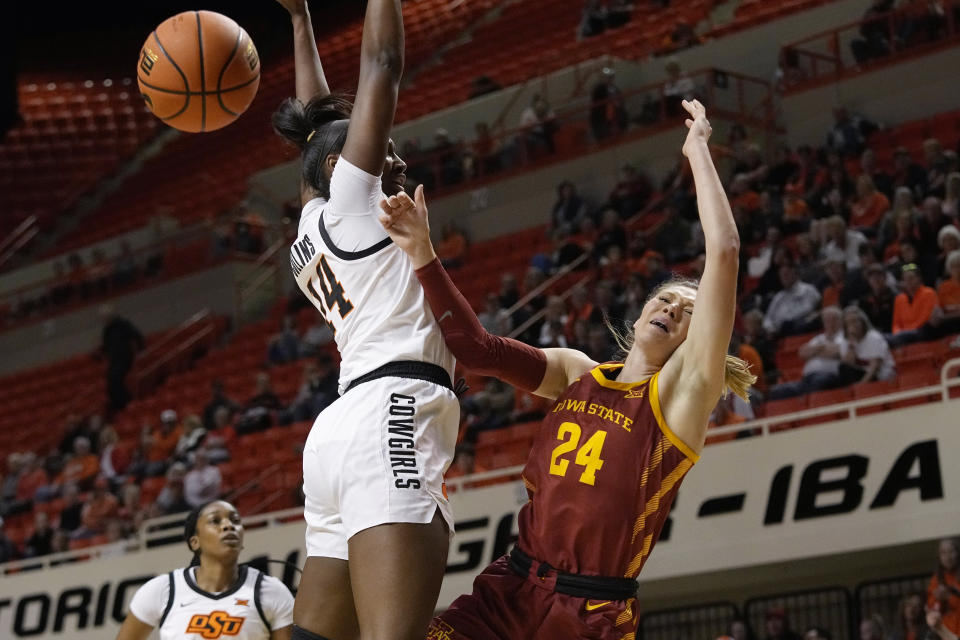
(198, 71)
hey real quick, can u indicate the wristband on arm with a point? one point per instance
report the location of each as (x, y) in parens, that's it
(478, 350)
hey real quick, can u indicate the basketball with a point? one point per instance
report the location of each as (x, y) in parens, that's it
(198, 71)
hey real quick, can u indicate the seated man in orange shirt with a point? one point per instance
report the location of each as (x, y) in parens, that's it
(916, 310)
(83, 467)
(99, 509)
(163, 442)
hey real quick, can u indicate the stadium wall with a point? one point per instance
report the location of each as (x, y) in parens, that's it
(837, 503)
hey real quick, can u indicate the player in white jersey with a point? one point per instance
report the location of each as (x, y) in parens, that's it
(214, 597)
(378, 522)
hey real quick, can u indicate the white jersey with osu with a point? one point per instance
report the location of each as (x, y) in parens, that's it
(249, 610)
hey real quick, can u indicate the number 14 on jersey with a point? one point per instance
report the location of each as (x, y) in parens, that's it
(331, 289)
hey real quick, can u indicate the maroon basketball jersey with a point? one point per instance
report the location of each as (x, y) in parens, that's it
(601, 476)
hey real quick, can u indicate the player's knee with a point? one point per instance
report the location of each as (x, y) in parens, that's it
(300, 633)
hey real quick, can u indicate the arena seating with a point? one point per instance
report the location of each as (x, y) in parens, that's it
(73, 135)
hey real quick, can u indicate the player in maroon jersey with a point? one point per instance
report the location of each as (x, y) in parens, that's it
(609, 457)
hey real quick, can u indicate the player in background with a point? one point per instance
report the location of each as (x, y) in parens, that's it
(213, 597)
(608, 459)
(378, 522)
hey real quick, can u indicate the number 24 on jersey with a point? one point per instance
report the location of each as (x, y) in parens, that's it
(588, 456)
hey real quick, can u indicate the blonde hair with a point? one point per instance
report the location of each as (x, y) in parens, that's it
(736, 372)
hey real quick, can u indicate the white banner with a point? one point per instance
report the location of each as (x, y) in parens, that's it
(871, 482)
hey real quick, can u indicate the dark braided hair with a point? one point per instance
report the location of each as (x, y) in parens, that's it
(318, 129)
(190, 530)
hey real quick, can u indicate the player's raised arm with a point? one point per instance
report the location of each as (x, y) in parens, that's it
(308, 71)
(694, 378)
(545, 372)
(381, 66)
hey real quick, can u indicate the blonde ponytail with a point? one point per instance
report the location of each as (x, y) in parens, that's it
(737, 377)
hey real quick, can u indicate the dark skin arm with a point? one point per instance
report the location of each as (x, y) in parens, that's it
(381, 66)
(308, 72)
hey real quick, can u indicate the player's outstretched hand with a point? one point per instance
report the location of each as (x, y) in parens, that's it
(295, 7)
(406, 220)
(698, 125)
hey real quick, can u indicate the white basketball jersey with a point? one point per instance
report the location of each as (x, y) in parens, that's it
(370, 297)
(240, 613)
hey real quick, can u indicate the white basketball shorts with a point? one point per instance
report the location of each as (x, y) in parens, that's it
(377, 455)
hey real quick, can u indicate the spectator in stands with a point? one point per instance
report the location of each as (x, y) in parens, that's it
(740, 629)
(907, 173)
(447, 157)
(569, 210)
(677, 88)
(125, 269)
(193, 436)
(611, 233)
(937, 168)
(244, 239)
(490, 407)
(904, 232)
(948, 241)
(911, 622)
(849, 132)
(655, 270)
(315, 338)
(872, 628)
(951, 201)
(930, 222)
(539, 124)
(599, 346)
(33, 481)
(792, 310)
(452, 248)
(202, 482)
(723, 416)
(881, 179)
(554, 322)
(875, 33)
(120, 342)
(318, 390)
(40, 542)
(8, 550)
(632, 192)
(220, 436)
(914, 309)
(817, 633)
(776, 625)
(131, 512)
(258, 412)
(618, 13)
(943, 592)
(72, 512)
(608, 116)
(171, 498)
(99, 509)
(834, 288)
(491, 318)
(114, 459)
(284, 346)
(163, 442)
(509, 294)
(948, 294)
(218, 398)
(865, 354)
(870, 205)
(593, 20)
(842, 243)
(83, 467)
(821, 355)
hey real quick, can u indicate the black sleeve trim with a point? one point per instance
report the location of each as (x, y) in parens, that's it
(256, 600)
(350, 255)
(169, 601)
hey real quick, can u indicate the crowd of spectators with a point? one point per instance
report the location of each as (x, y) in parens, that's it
(448, 162)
